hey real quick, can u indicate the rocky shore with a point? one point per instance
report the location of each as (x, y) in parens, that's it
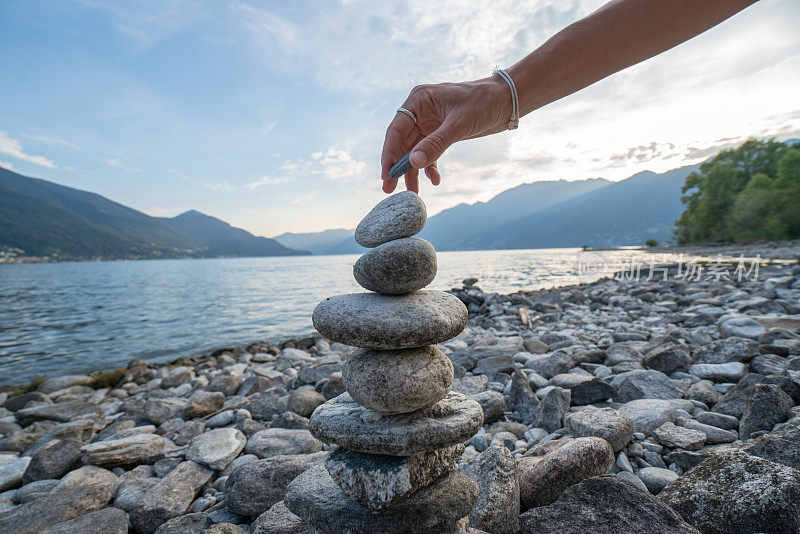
(619, 406)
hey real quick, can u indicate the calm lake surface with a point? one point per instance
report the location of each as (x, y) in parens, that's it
(63, 318)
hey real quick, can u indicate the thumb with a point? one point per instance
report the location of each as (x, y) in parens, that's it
(433, 146)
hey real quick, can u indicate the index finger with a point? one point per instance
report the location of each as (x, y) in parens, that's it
(399, 130)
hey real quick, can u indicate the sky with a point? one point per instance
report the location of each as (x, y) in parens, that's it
(271, 115)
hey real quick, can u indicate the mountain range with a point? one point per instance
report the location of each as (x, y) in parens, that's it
(548, 214)
(47, 219)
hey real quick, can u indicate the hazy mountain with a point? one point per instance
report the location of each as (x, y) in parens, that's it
(555, 214)
(314, 242)
(44, 219)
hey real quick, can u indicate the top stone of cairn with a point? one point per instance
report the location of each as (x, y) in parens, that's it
(400, 215)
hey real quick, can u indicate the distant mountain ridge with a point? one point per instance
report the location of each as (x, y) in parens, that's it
(46, 219)
(552, 214)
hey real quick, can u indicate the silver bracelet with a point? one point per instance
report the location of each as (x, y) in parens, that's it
(513, 124)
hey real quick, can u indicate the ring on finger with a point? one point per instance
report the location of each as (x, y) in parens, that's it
(410, 114)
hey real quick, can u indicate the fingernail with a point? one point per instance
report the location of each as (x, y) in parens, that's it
(418, 158)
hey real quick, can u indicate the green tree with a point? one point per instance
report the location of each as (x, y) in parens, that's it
(746, 193)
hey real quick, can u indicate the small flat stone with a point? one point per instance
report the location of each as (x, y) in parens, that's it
(398, 381)
(105, 521)
(274, 441)
(374, 321)
(379, 481)
(344, 422)
(136, 449)
(317, 499)
(216, 448)
(397, 267)
(673, 436)
(719, 372)
(400, 215)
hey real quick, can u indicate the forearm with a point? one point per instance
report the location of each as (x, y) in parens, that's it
(616, 36)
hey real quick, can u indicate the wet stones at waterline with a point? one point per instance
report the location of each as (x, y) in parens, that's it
(399, 431)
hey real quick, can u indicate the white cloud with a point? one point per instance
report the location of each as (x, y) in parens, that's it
(12, 147)
(115, 162)
(267, 180)
(7, 165)
(55, 141)
(302, 200)
(336, 164)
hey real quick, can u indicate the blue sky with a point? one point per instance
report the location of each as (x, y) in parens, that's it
(270, 115)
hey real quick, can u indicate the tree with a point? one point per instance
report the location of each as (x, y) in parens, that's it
(746, 193)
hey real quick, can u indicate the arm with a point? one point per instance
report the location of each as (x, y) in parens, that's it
(616, 36)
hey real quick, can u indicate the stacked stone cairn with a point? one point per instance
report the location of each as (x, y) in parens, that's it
(398, 431)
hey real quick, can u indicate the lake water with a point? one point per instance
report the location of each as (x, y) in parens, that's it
(62, 318)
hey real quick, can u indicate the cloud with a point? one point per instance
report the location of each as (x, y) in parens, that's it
(12, 147)
(303, 199)
(334, 164)
(7, 165)
(267, 180)
(114, 162)
(55, 141)
(223, 185)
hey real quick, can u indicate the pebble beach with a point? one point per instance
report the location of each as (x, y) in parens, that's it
(617, 406)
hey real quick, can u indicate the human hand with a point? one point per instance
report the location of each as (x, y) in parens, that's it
(446, 113)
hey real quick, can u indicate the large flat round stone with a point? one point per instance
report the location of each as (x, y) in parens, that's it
(398, 381)
(374, 321)
(317, 499)
(397, 267)
(344, 422)
(400, 215)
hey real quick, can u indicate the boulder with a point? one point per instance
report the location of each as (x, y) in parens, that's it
(606, 423)
(498, 505)
(767, 405)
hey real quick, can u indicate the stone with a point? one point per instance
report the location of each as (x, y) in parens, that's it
(584, 389)
(397, 267)
(54, 460)
(279, 520)
(551, 409)
(62, 412)
(733, 491)
(379, 481)
(315, 497)
(105, 521)
(160, 411)
(303, 401)
(719, 420)
(33, 490)
(734, 401)
(133, 450)
(491, 365)
(493, 404)
(741, 327)
(18, 402)
(268, 403)
(604, 505)
(334, 386)
(767, 405)
(131, 491)
(187, 431)
(89, 475)
(345, 423)
(58, 506)
(225, 383)
(400, 215)
(169, 498)
(719, 372)
(672, 436)
(289, 420)
(11, 473)
(397, 381)
(550, 365)
(203, 403)
(521, 397)
(216, 448)
(656, 478)
(374, 321)
(275, 441)
(668, 358)
(57, 383)
(185, 524)
(549, 468)
(704, 392)
(251, 489)
(313, 373)
(470, 385)
(644, 384)
(497, 508)
(713, 434)
(606, 423)
(648, 414)
(731, 349)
